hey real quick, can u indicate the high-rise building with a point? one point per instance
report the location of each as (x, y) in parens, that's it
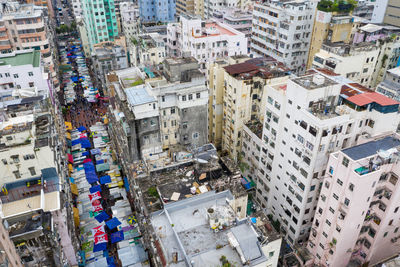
(306, 119)
(282, 30)
(26, 27)
(185, 7)
(390, 86)
(157, 11)
(392, 13)
(330, 27)
(237, 95)
(357, 218)
(206, 41)
(100, 21)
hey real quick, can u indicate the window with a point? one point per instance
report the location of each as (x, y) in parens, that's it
(351, 187)
(190, 97)
(345, 162)
(30, 73)
(328, 222)
(339, 182)
(172, 110)
(163, 98)
(300, 138)
(335, 196)
(183, 98)
(31, 84)
(7, 74)
(347, 201)
(309, 146)
(16, 76)
(166, 137)
(17, 174)
(195, 135)
(197, 95)
(32, 171)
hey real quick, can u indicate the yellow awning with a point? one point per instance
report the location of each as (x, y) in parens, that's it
(68, 125)
(68, 135)
(76, 216)
(74, 189)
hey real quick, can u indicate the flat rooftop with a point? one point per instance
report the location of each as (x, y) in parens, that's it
(139, 95)
(395, 71)
(20, 58)
(185, 229)
(314, 81)
(371, 148)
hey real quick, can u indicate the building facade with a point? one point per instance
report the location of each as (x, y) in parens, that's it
(21, 75)
(157, 11)
(205, 41)
(100, 21)
(390, 86)
(392, 13)
(357, 219)
(283, 31)
(306, 119)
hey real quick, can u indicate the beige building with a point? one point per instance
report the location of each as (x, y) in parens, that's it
(185, 6)
(329, 27)
(237, 96)
(392, 15)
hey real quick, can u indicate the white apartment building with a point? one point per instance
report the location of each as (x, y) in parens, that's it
(205, 41)
(147, 49)
(77, 9)
(22, 75)
(129, 19)
(356, 62)
(306, 119)
(357, 218)
(212, 6)
(282, 30)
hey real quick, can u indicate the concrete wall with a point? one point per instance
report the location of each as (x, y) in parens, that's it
(193, 123)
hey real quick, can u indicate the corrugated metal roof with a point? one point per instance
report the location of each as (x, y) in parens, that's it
(240, 68)
(371, 148)
(372, 97)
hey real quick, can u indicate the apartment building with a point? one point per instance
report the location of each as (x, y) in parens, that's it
(160, 111)
(48, 4)
(26, 27)
(283, 30)
(32, 184)
(148, 49)
(330, 27)
(390, 86)
(22, 75)
(212, 6)
(100, 21)
(357, 218)
(237, 95)
(354, 61)
(306, 119)
(157, 11)
(238, 19)
(109, 56)
(185, 7)
(392, 13)
(207, 41)
(77, 9)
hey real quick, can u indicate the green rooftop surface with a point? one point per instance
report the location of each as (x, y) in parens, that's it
(28, 58)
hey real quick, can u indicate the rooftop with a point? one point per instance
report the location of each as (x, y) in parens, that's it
(371, 148)
(19, 58)
(185, 229)
(395, 71)
(371, 97)
(139, 95)
(313, 81)
(264, 67)
(256, 127)
(179, 60)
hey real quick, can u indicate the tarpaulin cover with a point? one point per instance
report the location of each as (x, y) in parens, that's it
(85, 143)
(81, 128)
(100, 161)
(102, 167)
(101, 239)
(94, 196)
(86, 153)
(95, 151)
(99, 247)
(110, 260)
(86, 160)
(114, 222)
(126, 184)
(97, 208)
(117, 236)
(96, 188)
(105, 179)
(98, 230)
(70, 158)
(75, 142)
(91, 178)
(102, 217)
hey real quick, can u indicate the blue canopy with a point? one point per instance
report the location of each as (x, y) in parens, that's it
(114, 222)
(100, 247)
(110, 260)
(105, 179)
(101, 217)
(85, 143)
(86, 153)
(91, 177)
(117, 236)
(94, 189)
(100, 161)
(75, 142)
(81, 128)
